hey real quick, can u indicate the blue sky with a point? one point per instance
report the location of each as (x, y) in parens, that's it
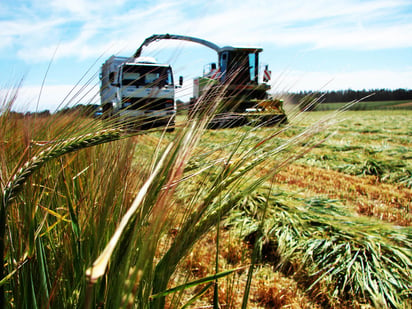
(308, 45)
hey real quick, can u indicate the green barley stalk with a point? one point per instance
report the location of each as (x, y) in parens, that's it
(139, 233)
(145, 221)
(98, 268)
(229, 186)
(15, 184)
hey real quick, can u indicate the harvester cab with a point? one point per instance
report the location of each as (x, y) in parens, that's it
(239, 66)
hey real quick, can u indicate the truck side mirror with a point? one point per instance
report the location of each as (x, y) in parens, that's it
(180, 80)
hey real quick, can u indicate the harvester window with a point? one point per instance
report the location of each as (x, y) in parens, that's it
(223, 65)
(252, 67)
(239, 68)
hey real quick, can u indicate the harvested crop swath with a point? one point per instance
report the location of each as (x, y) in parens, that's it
(331, 251)
(370, 197)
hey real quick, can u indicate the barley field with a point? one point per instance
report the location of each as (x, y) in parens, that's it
(315, 213)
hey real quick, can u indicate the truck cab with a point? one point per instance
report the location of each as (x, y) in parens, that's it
(139, 91)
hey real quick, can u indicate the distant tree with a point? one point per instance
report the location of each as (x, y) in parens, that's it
(308, 103)
(81, 109)
(16, 115)
(44, 113)
(349, 95)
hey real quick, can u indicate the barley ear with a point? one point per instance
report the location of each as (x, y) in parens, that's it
(58, 149)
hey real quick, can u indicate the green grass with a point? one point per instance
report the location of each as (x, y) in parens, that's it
(365, 144)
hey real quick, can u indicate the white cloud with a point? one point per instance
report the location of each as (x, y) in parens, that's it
(79, 46)
(322, 36)
(356, 80)
(365, 25)
(75, 7)
(81, 25)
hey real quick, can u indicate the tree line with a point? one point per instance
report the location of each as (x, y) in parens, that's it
(354, 95)
(80, 109)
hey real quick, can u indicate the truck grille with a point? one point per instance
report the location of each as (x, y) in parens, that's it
(147, 104)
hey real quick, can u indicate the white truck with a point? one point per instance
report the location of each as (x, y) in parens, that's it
(138, 91)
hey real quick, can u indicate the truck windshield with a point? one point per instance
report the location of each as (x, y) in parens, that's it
(139, 75)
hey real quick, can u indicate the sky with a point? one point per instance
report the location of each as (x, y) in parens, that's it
(51, 51)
